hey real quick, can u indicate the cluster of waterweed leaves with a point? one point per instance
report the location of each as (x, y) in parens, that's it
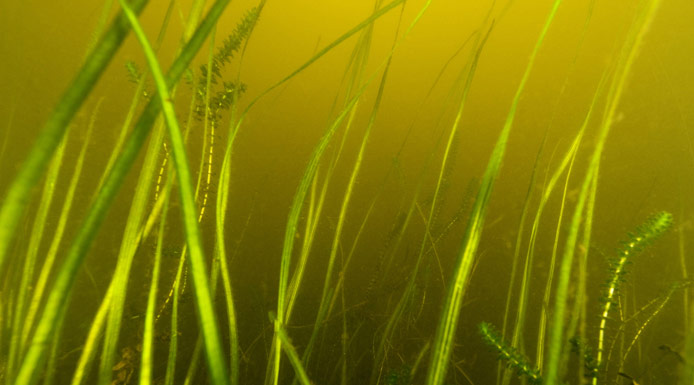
(594, 363)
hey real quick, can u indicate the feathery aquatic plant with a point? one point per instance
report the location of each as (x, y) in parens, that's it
(509, 355)
(645, 234)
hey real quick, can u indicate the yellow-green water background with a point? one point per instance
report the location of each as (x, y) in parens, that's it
(648, 164)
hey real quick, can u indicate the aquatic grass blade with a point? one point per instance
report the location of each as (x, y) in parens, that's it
(19, 193)
(147, 361)
(465, 261)
(627, 58)
(359, 60)
(33, 360)
(89, 348)
(208, 323)
(309, 173)
(292, 354)
(129, 244)
(465, 78)
(29, 262)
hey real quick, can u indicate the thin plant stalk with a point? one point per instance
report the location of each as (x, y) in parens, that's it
(23, 289)
(397, 314)
(19, 193)
(86, 359)
(137, 97)
(361, 54)
(466, 258)
(210, 330)
(57, 299)
(629, 54)
(146, 364)
(570, 157)
(294, 358)
(221, 205)
(130, 242)
(505, 378)
(173, 344)
(299, 197)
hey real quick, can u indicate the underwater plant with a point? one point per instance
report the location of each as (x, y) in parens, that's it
(509, 355)
(158, 287)
(645, 234)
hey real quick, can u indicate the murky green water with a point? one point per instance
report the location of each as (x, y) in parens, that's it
(359, 143)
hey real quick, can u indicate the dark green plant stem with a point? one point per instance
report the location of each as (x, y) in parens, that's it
(208, 323)
(32, 168)
(29, 371)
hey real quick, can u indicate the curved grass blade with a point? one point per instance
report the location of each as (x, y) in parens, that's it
(309, 173)
(33, 360)
(628, 55)
(292, 354)
(359, 58)
(58, 231)
(465, 78)
(208, 323)
(466, 259)
(129, 244)
(37, 231)
(91, 343)
(146, 365)
(32, 168)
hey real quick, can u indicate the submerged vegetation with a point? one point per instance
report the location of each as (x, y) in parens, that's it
(596, 365)
(361, 285)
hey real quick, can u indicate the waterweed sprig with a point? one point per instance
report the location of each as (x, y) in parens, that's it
(645, 234)
(509, 354)
(222, 98)
(134, 73)
(580, 347)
